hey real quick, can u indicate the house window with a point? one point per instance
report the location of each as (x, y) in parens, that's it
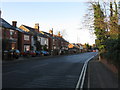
(26, 37)
(46, 42)
(53, 41)
(26, 47)
(11, 32)
(39, 39)
(15, 32)
(13, 45)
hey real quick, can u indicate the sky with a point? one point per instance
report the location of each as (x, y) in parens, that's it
(66, 17)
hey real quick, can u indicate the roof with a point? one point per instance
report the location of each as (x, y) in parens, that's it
(5, 24)
(47, 34)
(41, 35)
(32, 30)
(20, 30)
(73, 45)
(63, 39)
(53, 37)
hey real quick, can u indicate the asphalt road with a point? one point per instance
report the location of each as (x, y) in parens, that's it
(56, 72)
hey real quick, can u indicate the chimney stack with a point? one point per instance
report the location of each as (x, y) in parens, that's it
(59, 35)
(14, 23)
(37, 27)
(51, 32)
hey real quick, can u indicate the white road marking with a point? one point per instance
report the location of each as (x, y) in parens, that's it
(82, 74)
(78, 83)
(83, 79)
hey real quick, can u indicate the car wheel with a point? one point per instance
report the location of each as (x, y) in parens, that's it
(17, 57)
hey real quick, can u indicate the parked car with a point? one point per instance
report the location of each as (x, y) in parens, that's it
(26, 53)
(38, 53)
(15, 53)
(44, 53)
(5, 54)
(33, 53)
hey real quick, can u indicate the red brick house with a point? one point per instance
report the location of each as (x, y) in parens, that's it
(9, 36)
(24, 39)
(38, 40)
(64, 45)
(56, 43)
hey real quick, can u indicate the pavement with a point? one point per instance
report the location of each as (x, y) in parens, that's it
(99, 76)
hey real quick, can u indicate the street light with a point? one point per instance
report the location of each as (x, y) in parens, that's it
(52, 42)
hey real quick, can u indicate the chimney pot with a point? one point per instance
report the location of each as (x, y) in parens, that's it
(51, 32)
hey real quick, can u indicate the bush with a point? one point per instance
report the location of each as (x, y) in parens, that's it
(112, 53)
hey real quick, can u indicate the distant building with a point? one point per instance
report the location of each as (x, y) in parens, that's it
(56, 42)
(80, 47)
(74, 48)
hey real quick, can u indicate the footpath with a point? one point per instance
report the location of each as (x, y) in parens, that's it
(100, 76)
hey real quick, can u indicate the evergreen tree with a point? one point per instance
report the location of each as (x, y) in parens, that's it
(113, 24)
(99, 26)
(109, 47)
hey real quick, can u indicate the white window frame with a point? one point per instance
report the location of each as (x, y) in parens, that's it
(26, 37)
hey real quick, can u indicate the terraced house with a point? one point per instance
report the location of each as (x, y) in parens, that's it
(14, 37)
(57, 44)
(26, 38)
(38, 40)
(9, 36)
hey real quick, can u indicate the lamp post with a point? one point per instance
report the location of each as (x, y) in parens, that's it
(52, 43)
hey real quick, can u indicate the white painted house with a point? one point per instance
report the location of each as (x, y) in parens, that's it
(43, 40)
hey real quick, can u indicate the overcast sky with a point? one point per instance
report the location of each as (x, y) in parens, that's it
(66, 17)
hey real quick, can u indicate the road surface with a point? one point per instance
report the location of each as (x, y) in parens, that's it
(56, 72)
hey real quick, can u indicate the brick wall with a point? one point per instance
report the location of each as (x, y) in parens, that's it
(9, 42)
(23, 42)
(50, 44)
